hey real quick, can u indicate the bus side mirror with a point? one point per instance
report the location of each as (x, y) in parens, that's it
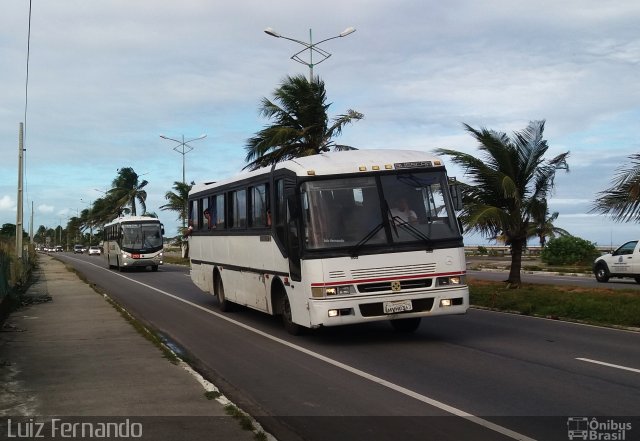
(456, 196)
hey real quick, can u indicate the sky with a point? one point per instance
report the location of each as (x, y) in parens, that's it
(108, 77)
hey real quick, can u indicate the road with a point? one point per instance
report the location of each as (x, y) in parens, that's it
(481, 376)
(556, 279)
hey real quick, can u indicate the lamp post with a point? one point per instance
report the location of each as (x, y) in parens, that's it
(183, 148)
(311, 47)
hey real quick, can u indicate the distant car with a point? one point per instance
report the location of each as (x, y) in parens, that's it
(59, 249)
(77, 249)
(94, 250)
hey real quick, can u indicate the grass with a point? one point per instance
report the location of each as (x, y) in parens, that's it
(605, 307)
(176, 260)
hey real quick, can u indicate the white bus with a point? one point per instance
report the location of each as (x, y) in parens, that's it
(133, 241)
(328, 240)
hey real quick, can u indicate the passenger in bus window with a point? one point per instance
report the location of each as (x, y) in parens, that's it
(207, 215)
(402, 211)
(189, 230)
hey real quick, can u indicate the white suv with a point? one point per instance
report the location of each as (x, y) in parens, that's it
(94, 250)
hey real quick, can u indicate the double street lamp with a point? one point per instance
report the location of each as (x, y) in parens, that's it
(311, 47)
(183, 148)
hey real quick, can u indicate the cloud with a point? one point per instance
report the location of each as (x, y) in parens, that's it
(45, 209)
(7, 204)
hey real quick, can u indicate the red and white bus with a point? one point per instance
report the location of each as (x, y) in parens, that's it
(333, 239)
(133, 241)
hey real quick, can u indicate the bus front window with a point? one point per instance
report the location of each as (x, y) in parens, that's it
(341, 213)
(131, 237)
(141, 236)
(418, 204)
(151, 236)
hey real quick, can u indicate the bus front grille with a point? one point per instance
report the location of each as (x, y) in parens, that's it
(386, 286)
(390, 271)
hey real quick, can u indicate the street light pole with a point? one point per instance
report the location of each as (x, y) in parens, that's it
(311, 47)
(183, 148)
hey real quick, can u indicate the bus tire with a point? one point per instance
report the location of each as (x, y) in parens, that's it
(154, 268)
(406, 325)
(287, 318)
(223, 304)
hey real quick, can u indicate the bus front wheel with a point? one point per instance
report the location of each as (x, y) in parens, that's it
(406, 325)
(223, 304)
(287, 318)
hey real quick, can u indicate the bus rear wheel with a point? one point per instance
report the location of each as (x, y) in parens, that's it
(406, 325)
(223, 304)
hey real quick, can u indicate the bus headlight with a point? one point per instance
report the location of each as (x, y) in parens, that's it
(450, 280)
(328, 291)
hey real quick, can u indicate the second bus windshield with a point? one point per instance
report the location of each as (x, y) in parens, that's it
(139, 236)
(407, 207)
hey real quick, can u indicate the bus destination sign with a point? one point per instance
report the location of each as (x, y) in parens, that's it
(415, 164)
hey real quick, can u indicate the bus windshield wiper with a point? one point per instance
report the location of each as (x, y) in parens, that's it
(366, 238)
(397, 220)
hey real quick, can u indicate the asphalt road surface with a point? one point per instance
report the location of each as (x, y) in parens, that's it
(480, 376)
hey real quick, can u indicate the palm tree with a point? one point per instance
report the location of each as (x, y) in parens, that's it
(127, 189)
(622, 199)
(542, 224)
(508, 184)
(178, 200)
(300, 124)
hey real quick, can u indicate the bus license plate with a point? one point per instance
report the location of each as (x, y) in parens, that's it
(398, 306)
(135, 256)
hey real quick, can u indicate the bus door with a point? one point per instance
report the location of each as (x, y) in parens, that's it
(293, 239)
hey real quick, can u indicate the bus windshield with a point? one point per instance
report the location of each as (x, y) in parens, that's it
(390, 209)
(141, 236)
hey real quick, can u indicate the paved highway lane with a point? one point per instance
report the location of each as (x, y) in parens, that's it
(546, 279)
(354, 380)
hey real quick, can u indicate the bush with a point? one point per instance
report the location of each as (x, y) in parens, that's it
(569, 250)
(482, 250)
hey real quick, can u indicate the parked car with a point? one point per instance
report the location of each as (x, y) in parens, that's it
(623, 262)
(94, 250)
(77, 249)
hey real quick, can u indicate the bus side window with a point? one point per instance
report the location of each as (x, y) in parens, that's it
(194, 214)
(219, 211)
(238, 209)
(259, 206)
(278, 214)
(205, 218)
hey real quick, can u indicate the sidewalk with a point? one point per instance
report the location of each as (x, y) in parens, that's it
(75, 357)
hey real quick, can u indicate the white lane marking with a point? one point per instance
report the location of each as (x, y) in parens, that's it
(617, 366)
(430, 401)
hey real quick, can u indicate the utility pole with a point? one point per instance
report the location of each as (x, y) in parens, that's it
(20, 214)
